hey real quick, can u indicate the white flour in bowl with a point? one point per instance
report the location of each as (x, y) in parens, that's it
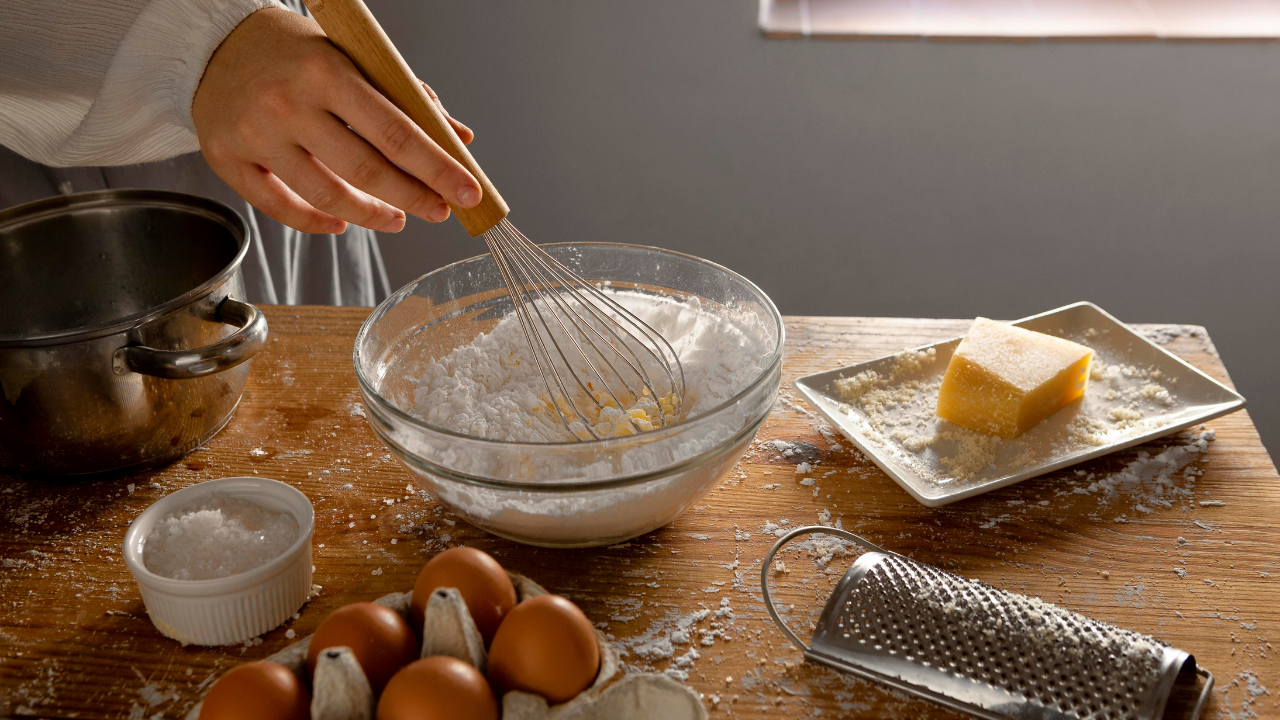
(489, 395)
(491, 387)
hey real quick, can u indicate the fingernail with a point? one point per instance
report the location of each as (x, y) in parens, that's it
(440, 213)
(337, 226)
(468, 196)
(394, 225)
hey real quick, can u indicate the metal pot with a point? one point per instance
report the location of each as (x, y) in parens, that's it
(121, 341)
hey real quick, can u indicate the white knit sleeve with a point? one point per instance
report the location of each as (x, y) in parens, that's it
(107, 82)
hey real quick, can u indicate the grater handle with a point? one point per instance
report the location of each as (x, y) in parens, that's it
(768, 563)
(1204, 692)
(353, 29)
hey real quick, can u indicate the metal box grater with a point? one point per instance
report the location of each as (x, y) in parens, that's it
(982, 650)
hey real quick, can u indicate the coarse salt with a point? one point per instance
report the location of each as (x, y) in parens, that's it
(217, 536)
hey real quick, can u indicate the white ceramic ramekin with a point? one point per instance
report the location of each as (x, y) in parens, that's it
(233, 609)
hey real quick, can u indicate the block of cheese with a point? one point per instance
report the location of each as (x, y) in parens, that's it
(1003, 380)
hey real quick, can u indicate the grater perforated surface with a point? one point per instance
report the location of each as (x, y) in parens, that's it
(1029, 648)
(979, 648)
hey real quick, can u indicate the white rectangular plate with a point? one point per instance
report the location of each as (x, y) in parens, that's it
(1138, 391)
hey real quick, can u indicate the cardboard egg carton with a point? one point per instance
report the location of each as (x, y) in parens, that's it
(340, 691)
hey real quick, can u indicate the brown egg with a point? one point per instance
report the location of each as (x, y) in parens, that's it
(485, 587)
(257, 691)
(545, 646)
(379, 638)
(438, 688)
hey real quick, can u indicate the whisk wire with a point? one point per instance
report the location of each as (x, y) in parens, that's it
(669, 360)
(603, 319)
(538, 284)
(534, 338)
(537, 280)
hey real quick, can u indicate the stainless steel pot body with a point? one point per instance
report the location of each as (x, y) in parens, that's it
(122, 342)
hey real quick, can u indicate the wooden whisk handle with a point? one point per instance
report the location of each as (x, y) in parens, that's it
(355, 31)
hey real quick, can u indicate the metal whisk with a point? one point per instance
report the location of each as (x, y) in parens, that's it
(594, 338)
(591, 351)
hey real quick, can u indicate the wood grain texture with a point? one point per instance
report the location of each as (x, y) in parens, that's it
(355, 31)
(75, 640)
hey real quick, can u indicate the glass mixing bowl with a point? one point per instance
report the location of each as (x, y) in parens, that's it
(567, 494)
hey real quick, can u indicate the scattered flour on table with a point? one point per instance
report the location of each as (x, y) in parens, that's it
(1154, 481)
(677, 637)
(492, 388)
(216, 537)
(1251, 690)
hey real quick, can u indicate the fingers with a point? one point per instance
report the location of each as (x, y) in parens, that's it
(363, 167)
(396, 136)
(328, 193)
(464, 133)
(265, 191)
(274, 114)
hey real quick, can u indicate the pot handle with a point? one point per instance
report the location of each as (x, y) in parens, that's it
(222, 355)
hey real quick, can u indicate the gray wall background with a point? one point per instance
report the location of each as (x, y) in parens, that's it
(899, 178)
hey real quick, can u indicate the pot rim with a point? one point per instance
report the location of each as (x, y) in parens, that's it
(61, 204)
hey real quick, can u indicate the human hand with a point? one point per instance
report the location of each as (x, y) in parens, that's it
(275, 113)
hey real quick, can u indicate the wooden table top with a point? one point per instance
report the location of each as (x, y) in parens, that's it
(75, 639)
